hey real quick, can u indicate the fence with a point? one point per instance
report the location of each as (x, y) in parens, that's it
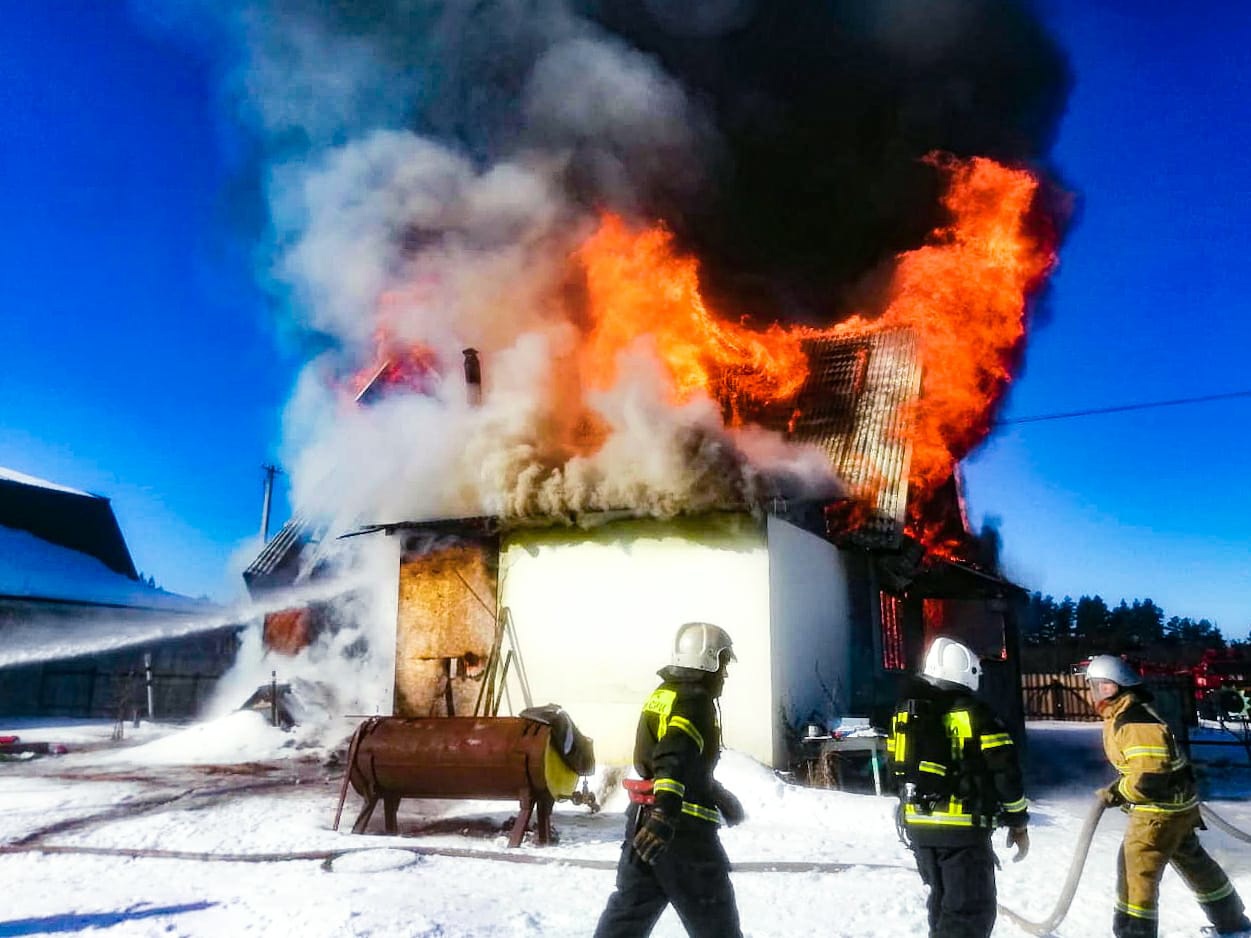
(97, 692)
(1063, 696)
(1059, 696)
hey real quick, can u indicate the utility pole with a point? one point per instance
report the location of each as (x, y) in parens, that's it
(270, 472)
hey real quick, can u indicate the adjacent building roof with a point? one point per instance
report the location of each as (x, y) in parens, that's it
(66, 517)
(34, 569)
(62, 545)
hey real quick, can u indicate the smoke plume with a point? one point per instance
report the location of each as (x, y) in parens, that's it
(428, 167)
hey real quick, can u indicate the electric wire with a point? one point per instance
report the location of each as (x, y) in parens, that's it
(1122, 408)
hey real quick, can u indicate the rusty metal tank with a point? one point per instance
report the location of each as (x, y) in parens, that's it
(452, 757)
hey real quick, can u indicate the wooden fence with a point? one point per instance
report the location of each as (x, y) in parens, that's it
(1059, 696)
(1063, 696)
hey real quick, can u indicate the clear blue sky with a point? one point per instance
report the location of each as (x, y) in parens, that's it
(135, 356)
(137, 359)
(1151, 303)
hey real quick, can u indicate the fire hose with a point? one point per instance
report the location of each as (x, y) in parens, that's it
(328, 857)
(1220, 822)
(1049, 924)
(1052, 921)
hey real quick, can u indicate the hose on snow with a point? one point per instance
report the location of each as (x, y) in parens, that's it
(328, 857)
(1049, 924)
(1052, 921)
(1217, 821)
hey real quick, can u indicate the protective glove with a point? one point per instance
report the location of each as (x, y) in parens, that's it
(1019, 837)
(1111, 795)
(653, 837)
(730, 807)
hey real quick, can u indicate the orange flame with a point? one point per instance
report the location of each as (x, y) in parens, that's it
(637, 286)
(964, 294)
(409, 365)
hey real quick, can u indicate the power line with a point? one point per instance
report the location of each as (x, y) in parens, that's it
(1121, 408)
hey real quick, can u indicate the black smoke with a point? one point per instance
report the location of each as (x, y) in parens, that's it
(824, 111)
(781, 140)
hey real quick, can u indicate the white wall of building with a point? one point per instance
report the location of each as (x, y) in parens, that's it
(810, 610)
(596, 612)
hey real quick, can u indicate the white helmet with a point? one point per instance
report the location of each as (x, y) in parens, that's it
(948, 660)
(699, 645)
(1111, 668)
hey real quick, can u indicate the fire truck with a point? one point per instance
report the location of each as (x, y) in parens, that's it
(1223, 685)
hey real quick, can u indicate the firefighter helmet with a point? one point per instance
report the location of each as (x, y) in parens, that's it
(1111, 668)
(948, 660)
(700, 645)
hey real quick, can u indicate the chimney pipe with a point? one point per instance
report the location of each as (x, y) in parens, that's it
(473, 375)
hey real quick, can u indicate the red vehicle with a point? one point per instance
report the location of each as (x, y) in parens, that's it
(1222, 681)
(1221, 668)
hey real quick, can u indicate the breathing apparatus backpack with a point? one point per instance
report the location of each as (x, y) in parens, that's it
(921, 758)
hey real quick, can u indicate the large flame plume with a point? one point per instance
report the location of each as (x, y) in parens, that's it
(965, 294)
(441, 175)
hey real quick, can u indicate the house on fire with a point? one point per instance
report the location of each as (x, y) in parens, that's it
(81, 633)
(828, 604)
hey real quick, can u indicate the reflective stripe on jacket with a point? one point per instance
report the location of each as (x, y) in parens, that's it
(984, 760)
(678, 743)
(1155, 775)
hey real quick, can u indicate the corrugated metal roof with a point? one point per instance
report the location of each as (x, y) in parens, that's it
(857, 405)
(282, 547)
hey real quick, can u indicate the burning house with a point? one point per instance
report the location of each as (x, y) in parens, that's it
(830, 600)
(741, 290)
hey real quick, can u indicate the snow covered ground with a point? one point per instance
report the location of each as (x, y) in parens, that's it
(76, 828)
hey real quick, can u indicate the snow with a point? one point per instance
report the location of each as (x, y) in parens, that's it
(12, 475)
(33, 568)
(235, 786)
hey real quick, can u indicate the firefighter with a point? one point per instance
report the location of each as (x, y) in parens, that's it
(1156, 786)
(672, 853)
(963, 780)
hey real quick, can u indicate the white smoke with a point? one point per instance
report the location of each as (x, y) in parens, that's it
(399, 232)
(470, 251)
(431, 167)
(349, 668)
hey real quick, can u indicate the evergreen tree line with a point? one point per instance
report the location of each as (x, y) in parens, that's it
(1075, 630)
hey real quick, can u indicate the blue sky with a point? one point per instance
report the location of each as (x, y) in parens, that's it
(1151, 303)
(137, 358)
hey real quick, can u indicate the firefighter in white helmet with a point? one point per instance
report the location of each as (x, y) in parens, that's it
(672, 852)
(1156, 786)
(959, 778)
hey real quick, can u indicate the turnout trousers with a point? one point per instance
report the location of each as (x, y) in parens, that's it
(692, 873)
(1152, 842)
(962, 888)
